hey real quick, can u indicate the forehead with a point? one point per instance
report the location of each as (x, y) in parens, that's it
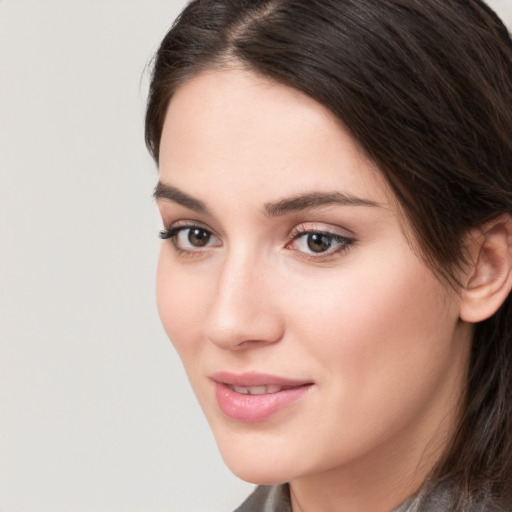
(261, 138)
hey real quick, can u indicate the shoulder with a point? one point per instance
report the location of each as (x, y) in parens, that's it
(267, 498)
(443, 498)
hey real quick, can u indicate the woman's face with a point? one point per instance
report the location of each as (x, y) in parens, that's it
(314, 337)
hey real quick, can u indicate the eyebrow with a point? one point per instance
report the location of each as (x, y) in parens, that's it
(314, 200)
(163, 191)
(272, 209)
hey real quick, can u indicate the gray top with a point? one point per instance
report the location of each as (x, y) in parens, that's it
(276, 498)
(268, 498)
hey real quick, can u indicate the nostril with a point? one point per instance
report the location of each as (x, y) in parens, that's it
(245, 333)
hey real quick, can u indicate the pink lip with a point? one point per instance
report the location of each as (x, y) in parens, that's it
(255, 408)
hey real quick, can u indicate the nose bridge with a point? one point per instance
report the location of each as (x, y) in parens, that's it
(242, 311)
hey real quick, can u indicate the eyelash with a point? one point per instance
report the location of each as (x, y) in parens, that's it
(344, 243)
(172, 234)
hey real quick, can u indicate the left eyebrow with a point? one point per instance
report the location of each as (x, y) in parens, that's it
(314, 200)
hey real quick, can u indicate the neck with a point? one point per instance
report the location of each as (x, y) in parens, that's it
(365, 485)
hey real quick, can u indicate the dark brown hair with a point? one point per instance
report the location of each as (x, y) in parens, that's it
(425, 87)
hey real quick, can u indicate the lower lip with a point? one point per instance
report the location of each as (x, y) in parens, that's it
(256, 408)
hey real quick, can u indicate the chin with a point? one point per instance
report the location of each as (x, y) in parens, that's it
(256, 473)
(252, 462)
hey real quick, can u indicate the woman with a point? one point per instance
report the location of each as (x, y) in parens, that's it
(336, 190)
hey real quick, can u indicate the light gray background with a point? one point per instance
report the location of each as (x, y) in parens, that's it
(95, 411)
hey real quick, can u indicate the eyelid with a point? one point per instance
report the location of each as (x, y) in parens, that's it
(344, 242)
(172, 232)
(184, 224)
(320, 227)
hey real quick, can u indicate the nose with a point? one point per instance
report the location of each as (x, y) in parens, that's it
(243, 312)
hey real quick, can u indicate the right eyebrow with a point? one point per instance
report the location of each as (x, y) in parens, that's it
(170, 193)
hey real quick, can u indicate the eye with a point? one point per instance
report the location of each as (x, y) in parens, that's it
(312, 242)
(190, 238)
(195, 237)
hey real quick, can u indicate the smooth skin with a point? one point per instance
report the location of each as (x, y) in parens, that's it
(327, 290)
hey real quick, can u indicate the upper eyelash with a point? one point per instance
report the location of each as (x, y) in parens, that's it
(300, 231)
(170, 232)
(167, 233)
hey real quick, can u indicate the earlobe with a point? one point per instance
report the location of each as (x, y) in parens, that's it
(489, 276)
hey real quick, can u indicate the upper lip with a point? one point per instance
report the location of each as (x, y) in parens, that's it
(250, 379)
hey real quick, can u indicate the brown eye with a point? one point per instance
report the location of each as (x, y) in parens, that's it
(198, 237)
(190, 238)
(319, 242)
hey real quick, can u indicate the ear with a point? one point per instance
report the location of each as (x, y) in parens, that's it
(488, 279)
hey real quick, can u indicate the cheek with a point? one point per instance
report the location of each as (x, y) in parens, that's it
(381, 342)
(372, 320)
(181, 302)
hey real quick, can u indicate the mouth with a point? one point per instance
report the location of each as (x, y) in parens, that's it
(258, 390)
(255, 397)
